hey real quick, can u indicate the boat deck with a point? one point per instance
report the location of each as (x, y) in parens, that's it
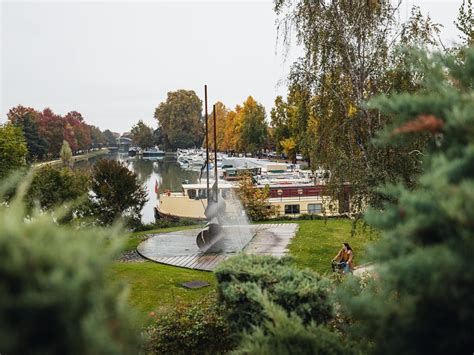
(180, 249)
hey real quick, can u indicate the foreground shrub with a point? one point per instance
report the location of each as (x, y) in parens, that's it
(55, 298)
(241, 279)
(421, 302)
(286, 334)
(197, 329)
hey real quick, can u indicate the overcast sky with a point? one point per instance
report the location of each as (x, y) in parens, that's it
(115, 61)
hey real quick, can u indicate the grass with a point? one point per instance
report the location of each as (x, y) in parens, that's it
(318, 241)
(156, 287)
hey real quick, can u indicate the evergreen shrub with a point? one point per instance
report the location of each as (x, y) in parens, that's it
(242, 278)
(197, 329)
(55, 298)
(421, 302)
(283, 334)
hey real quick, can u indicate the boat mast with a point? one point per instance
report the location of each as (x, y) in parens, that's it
(215, 153)
(207, 145)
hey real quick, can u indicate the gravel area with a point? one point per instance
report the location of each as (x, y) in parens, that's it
(130, 256)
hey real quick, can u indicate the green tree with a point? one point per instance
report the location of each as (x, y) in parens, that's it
(25, 118)
(180, 120)
(110, 138)
(421, 301)
(254, 129)
(56, 295)
(465, 23)
(13, 149)
(279, 123)
(351, 54)
(118, 193)
(66, 154)
(53, 186)
(98, 138)
(142, 135)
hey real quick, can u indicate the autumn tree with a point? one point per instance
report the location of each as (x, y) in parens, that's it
(180, 120)
(253, 129)
(221, 114)
(51, 127)
(142, 135)
(351, 54)
(26, 119)
(232, 129)
(80, 130)
(255, 199)
(13, 149)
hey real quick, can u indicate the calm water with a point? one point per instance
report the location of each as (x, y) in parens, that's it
(167, 173)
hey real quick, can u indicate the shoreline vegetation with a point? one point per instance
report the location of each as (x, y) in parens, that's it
(75, 158)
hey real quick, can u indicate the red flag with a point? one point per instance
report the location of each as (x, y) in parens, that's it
(157, 190)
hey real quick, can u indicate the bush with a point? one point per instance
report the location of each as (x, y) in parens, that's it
(55, 298)
(285, 334)
(197, 329)
(54, 186)
(241, 279)
(118, 193)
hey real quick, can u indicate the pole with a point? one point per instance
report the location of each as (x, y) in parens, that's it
(207, 145)
(215, 148)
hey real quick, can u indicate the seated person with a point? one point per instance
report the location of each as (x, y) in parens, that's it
(345, 258)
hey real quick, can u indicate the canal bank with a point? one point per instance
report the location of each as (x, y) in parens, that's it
(76, 158)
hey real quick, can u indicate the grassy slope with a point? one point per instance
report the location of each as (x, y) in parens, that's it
(155, 287)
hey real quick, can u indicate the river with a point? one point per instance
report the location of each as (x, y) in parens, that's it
(166, 172)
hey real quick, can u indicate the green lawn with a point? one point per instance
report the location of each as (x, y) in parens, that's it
(318, 241)
(155, 287)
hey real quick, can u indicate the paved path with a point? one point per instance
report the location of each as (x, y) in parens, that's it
(179, 248)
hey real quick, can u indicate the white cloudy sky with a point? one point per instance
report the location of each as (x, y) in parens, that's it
(115, 61)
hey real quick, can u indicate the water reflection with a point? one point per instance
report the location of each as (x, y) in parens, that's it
(167, 173)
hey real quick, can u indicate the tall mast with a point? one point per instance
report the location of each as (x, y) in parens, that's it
(207, 144)
(215, 151)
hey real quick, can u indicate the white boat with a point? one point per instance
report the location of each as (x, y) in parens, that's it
(153, 154)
